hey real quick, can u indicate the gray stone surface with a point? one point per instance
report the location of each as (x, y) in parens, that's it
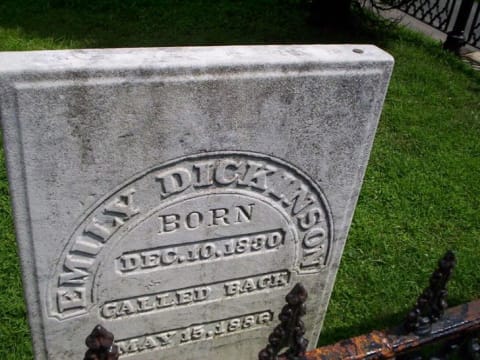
(176, 195)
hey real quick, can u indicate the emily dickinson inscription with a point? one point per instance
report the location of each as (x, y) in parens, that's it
(203, 230)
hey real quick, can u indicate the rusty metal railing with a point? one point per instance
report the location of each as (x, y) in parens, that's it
(456, 331)
(430, 331)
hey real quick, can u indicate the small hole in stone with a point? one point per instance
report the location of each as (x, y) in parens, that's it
(358, 51)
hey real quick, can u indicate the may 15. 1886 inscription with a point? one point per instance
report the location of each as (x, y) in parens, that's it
(176, 195)
(196, 215)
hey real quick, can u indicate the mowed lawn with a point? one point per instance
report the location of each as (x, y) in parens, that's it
(421, 194)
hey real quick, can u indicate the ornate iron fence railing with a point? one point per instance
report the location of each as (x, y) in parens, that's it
(436, 13)
(460, 19)
(474, 31)
(431, 331)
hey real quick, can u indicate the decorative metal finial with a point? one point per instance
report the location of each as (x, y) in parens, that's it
(100, 345)
(433, 301)
(291, 329)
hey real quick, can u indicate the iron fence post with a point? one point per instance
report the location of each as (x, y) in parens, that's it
(456, 39)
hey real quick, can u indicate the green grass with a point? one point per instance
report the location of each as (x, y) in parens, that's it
(420, 196)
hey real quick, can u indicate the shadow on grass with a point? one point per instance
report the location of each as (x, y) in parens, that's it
(115, 23)
(334, 335)
(390, 321)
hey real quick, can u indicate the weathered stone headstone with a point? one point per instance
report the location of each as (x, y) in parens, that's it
(176, 195)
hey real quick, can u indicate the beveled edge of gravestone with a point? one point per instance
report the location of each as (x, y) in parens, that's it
(265, 57)
(20, 69)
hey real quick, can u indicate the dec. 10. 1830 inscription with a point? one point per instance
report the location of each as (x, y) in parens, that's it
(207, 228)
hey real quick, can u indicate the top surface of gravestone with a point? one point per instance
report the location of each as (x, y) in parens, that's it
(176, 195)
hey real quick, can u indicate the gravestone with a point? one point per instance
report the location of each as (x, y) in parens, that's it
(176, 195)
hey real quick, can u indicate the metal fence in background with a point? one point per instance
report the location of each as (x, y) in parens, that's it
(460, 19)
(474, 31)
(436, 13)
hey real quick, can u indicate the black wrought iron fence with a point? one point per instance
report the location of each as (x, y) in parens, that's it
(474, 31)
(460, 19)
(436, 13)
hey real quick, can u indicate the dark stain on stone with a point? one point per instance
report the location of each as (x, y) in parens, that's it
(125, 135)
(82, 126)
